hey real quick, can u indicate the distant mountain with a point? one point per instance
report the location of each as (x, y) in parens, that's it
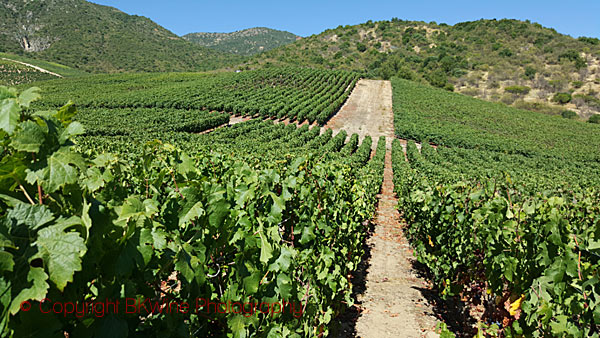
(245, 42)
(98, 38)
(516, 62)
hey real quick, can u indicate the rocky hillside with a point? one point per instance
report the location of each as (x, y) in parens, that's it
(245, 42)
(516, 62)
(98, 38)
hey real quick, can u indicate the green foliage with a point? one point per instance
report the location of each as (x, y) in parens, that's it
(530, 72)
(594, 119)
(437, 79)
(54, 67)
(591, 41)
(449, 87)
(427, 52)
(519, 90)
(562, 98)
(361, 47)
(454, 120)
(573, 55)
(242, 220)
(505, 52)
(509, 223)
(245, 42)
(131, 122)
(97, 38)
(300, 93)
(568, 114)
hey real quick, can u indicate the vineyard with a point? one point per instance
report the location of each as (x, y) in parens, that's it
(144, 203)
(295, 93)
(12, 73)
(257, 212)
(502, 215)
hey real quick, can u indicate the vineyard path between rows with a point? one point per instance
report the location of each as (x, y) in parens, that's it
(391, 302)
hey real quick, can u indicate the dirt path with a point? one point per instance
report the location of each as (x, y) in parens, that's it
(368, 111)
(391, 304)
(34, 67)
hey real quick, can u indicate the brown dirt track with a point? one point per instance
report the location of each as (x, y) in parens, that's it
(391, 303)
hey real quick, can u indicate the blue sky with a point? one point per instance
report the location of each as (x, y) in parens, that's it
(576, 18)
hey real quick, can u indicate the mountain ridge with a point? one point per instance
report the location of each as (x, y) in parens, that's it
(245, 42)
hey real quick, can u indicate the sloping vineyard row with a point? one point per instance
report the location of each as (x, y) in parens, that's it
(455, 120)
(510, 227)
(295, 93)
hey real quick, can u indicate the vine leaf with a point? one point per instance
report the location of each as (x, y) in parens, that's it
(238, 326)
(65, 113)
(29, 138)
(37, 291)
(266, 251)
(33, 216)
(283, 261)
(284, 283)
(62, 251)
(28, 96)
(194, 212)
(73, 129)
(59, 172)
(9, 115)
(217, 213)
(6, 261)
(251, 282)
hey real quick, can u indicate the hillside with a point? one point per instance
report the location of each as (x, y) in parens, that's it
(516, 62)
(97, 38)
(245, 42)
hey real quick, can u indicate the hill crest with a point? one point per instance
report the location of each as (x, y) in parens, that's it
(515, 62)
(243, 42)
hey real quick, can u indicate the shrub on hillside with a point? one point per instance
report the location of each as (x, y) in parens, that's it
(530, 72)
(519, 90)
(573, 55)
(449, 87)
(562, 98)
(361, 47)
(595, 119)
(592, 41)
(506, 52)
(437, 78)
(577, 84)
(405, 73)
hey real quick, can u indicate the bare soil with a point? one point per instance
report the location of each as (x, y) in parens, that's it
(368, 111)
